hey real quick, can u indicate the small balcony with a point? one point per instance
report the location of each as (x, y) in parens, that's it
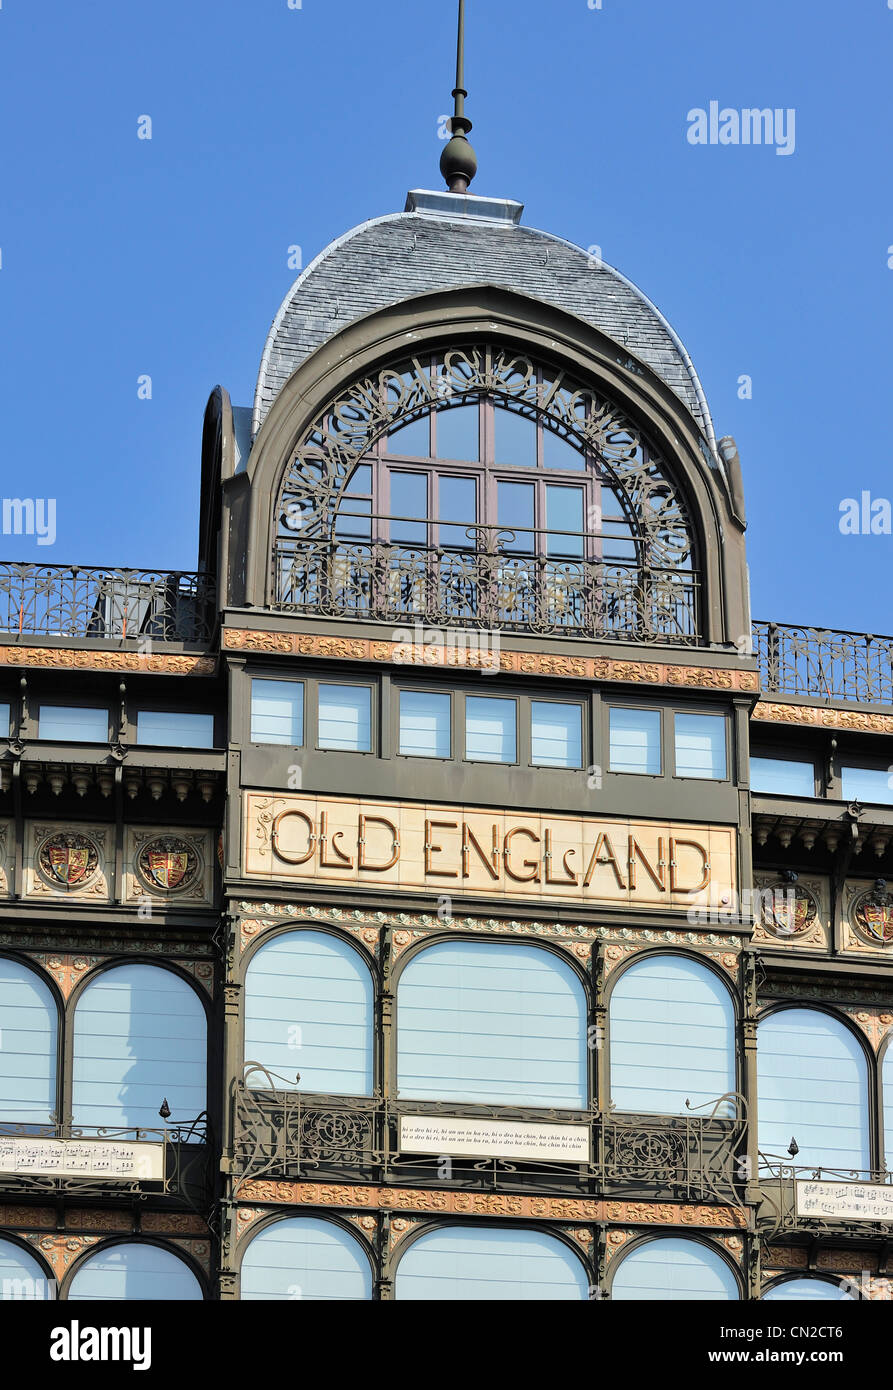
(805, 1202)
(132, 606)
(493, 583)
(820, 664)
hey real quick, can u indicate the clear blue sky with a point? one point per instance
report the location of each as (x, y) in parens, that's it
(274, 126)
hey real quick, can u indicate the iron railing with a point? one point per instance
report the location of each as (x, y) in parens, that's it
(83, 601)
(282, 1135)
(91, 1161)
(490, 583)
(828, 665)
(781, 1213)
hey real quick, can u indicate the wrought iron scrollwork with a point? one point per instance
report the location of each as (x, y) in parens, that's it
(82, 601)
(829, 665)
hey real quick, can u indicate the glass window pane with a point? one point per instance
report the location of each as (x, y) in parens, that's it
(457, 433)
(887, 1084)
(782, 777)
(457, 503)
(135, 1270)
(515, 512)
(671, 1037)
(360, 484)
(424, 724)
(345, 717)
(564, 513)
(491, 1024)
(307, 1258)
(672, 1269)
(808, 1288)
(28, 1023)
(490, 729)
(870, 784)
(479, 1264)
(412, 440)
(174, 729)
(701, 745)
(515, 442)
(21, 1277)
(409, 498)
(5, 714)
(277, 712)
(635, 741)
(73, 724)
(812, 1087)
(556, 734)
(139, 1038)
(308, 1011)
(560, 453)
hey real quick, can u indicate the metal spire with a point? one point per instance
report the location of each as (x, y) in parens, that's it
(458, 162)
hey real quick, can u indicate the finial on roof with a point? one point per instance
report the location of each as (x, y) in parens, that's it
(458, 163)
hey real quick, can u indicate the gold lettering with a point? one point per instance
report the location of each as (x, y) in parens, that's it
(675, 885)
(362, 862)
(603, 844)
(274, 837)
(490, 861)
(532, 864)
(431, 848)
(571, 876)
(636, 851)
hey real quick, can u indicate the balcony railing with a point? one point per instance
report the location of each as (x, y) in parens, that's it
(828, 665)
(490, 583)
(80, 601)
(287, 1136)
(798, 1200)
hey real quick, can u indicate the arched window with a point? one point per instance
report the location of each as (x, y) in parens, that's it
(809, 1287)
(813, 1088)
(477, 1264)
(139, 1039)
(20, 1274)
(672, 1269)
(478, 486)
(305, 1258)
(308, 1010)
(135, 1270)
(28, 1028)
(671, 1037)
(491, 1023)
(887, 1086)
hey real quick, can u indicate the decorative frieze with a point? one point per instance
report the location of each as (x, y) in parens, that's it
(80, 659)
(821, 717)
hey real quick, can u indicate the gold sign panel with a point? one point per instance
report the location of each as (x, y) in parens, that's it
(504, 854)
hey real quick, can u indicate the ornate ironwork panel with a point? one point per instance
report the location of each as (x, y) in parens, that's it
(78, 601)
(829, 665)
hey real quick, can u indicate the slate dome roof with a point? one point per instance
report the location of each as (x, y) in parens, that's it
(444, 241)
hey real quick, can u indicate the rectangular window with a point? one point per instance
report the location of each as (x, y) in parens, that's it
(5, 715)
(701, 746)
(345, 718)
(490, 729)
(277, 712)
(635, 741)
(73, 724)
(424, 724)
(169, 729)
(782, 777)
(869, 784)
(556, 734)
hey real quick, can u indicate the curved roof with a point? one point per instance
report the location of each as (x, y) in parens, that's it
(404, 254)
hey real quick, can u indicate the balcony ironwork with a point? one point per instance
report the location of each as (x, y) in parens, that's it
(491, 583)
(84, 1161)
(779, 1214)
(827, 665)
(286, 1136)
(81, 601)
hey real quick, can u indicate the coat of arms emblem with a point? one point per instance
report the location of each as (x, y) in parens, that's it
(168, 864)
(873, 915)
(788, 910)
(68, 860)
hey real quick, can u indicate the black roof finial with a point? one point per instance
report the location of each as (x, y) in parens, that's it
(458, 163)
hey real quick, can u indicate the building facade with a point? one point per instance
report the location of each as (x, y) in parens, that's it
(447, 891)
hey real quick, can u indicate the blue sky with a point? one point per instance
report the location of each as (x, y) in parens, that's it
(275, 126)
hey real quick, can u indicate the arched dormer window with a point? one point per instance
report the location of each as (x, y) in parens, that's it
(479, 488)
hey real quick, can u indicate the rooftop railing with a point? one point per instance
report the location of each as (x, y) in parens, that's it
(827, 665)
(81, 601)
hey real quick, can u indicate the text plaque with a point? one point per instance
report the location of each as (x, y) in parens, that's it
(82, 1158)
(845, 1201)
(480, 1138)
